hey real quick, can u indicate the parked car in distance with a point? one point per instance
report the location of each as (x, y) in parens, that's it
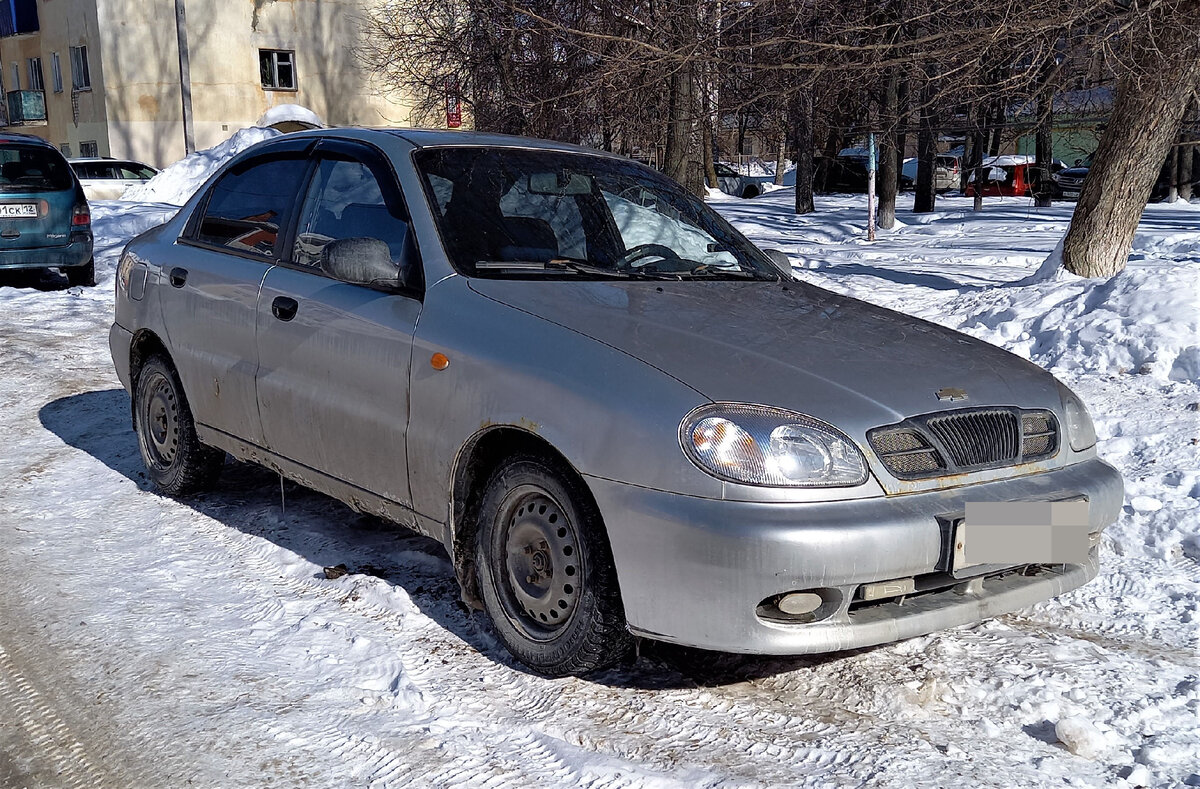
(45, 221)
(618, 416)
(731, 182)
(107, 179)
(1069, 181)
(1013, 175)
(946, 172)
(848, 173)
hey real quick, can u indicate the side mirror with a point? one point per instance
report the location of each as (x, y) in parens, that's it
(781, 261)
(360, 261)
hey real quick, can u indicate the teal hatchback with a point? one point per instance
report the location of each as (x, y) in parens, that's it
(45, 221)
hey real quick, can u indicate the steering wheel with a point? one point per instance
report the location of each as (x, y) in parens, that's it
(640, 251)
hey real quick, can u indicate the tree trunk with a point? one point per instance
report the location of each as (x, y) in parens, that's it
(1185, 172)
(683, 161)
(1044, 147)
(977, 155)
(805, 153)
(1174, 154)
(1147, 111)
(780, 156)
(706, 141)
(888, 177)
(706, 128)
(1195, 166)
(926, 196)
(997, 124)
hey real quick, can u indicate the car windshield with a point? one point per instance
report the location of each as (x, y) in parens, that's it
(523, 213)
(32, 168)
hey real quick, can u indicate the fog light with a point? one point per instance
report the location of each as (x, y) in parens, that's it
(797, 603)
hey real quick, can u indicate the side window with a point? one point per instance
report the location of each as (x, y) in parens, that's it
(345, 200)
(249, 206)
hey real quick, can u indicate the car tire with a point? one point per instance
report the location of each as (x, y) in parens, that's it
(84, 275)
(545, 572)
(178, 464)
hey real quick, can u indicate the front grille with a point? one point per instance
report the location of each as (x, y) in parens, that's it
(953, 442)
(978, 438)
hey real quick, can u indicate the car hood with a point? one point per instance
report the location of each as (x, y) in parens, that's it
(850, 363)
(1073, 172)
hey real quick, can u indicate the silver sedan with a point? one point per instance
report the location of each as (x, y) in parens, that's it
(621, 418)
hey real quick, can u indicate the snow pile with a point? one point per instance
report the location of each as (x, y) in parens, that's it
(176, 184)
(294, 113)
(1146, 320)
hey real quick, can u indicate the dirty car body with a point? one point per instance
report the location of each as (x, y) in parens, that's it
(617, 414)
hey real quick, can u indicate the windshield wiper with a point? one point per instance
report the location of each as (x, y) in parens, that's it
(557, 265)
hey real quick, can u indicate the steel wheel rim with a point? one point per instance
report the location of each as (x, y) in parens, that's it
(538, 577)
(160, 422)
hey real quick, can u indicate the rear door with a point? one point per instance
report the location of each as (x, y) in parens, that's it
(334, 356)
(211, 279)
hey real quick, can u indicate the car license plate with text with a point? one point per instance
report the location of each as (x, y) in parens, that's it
(1022, 532)
(18, 210)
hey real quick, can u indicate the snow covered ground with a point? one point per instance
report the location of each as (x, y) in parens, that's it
(151, 642)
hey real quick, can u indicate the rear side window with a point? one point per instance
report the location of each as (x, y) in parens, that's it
(33, 168)
(249, 206)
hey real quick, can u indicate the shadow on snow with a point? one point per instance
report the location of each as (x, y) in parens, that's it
(327, 533)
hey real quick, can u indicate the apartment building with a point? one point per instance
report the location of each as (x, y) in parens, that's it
(152, 79)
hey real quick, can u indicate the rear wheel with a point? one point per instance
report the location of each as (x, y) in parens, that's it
(545, 571)
(177, 462)
(82, 275)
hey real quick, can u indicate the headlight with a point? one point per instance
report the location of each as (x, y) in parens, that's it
(758, 445)
(1080, 430)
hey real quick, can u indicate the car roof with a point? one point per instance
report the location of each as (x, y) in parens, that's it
(430, 138)
(103, 160)
(25, 139)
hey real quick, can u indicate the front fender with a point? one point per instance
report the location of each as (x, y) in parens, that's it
(609, 414)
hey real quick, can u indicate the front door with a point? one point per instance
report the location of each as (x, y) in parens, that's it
(333, 355)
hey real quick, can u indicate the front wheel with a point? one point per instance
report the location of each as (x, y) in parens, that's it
(177, 462)
(545, 571)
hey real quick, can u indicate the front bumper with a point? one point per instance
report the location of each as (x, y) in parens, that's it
(77, 253)
(693, 571)
(120, 343)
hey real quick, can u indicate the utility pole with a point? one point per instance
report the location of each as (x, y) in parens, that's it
(185, 78)
(871, 186)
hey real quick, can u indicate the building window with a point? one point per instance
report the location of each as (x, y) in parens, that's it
(16, 76)
(66, 149)
(277, 69)
(88, 149)
(56, 72)
(81, 77)
(18, 16)
(35, 74)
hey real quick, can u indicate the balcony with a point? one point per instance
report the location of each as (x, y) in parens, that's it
(26, 107)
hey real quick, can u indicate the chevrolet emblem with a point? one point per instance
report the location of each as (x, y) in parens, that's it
(952, 394)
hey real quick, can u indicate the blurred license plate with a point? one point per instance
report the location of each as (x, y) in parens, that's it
(1022, 532)
(18, 210)
(1070, 194)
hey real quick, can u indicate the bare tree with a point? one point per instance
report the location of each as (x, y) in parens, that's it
(1163, 72)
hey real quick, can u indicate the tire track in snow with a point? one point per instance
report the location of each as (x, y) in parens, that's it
(55, 745)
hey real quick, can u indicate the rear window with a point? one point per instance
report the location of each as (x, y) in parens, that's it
(32, 168)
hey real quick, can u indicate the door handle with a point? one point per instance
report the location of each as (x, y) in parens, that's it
(284, 308)
(178, 277)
